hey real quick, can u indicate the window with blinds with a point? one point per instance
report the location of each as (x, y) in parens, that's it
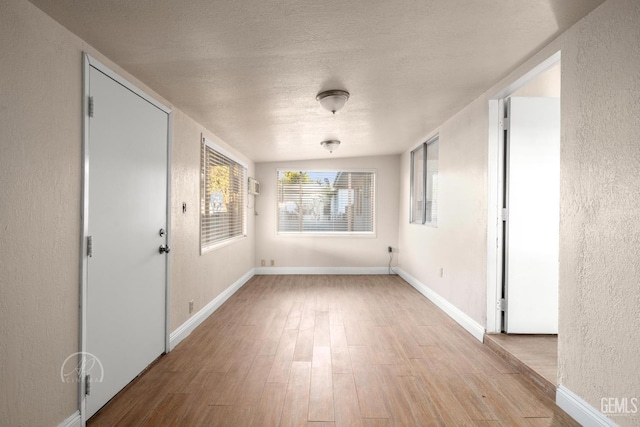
(222, 197)
(424, 183)
(326, 202)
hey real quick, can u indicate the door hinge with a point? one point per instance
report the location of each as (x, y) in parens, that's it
(502, 305)
(505, 123)
(91, 106)
(89, 246)
(87, 384)
(505, 214)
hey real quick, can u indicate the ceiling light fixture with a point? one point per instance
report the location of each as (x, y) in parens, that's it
(331, 145)
(333, 100)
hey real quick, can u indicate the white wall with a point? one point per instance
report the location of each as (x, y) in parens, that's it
(599, 206)
(317, 251)
(546, 84)
(195, 277)
(458, 243)
(40, 158)
(599, 340)
(40, 187)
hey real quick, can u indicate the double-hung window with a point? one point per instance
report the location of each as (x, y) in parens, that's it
(223, 186)
(326, 202)
(424, 183)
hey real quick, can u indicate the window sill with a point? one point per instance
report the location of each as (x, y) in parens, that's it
(325, 234)
(424, 225)
(221, 244)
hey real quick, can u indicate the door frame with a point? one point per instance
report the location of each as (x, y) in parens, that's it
(496, 181)
(89, 62)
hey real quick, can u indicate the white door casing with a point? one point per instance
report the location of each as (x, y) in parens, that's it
(495, 187)
(124, 298)
(532, 225)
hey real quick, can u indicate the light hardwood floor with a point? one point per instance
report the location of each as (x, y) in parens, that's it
(534, 356)
(320, 351)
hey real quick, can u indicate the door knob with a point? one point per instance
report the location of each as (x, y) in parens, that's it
(164, 249)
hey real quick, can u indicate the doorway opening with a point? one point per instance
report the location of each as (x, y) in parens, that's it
(522, 261)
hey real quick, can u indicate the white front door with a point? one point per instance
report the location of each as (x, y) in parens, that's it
(533, 215)
(127, 207)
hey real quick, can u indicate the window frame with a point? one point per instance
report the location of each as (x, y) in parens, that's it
(359, 234)
(216, 244)
(424, 178)
(412, 190)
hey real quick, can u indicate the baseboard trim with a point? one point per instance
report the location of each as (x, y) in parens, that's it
(470, 325)
(73, 421)
(580, 410)
(321, 270)
(194, 321)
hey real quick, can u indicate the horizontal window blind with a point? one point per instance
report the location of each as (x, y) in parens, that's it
(326, 202)
(223, 189)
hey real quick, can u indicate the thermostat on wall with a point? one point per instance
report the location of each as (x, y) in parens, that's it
(254, 186)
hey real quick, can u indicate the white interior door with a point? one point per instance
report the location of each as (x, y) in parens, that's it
(126, 273)
(533, 217)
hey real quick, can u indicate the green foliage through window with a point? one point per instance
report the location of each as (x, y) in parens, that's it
(340, 202)
(223, 194)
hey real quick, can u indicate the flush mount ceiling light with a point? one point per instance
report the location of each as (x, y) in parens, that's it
(331, 145)
(333, 100)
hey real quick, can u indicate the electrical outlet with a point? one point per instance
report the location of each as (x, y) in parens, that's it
(441, 272)
(190, 306)
(263, 262)
(390, 249)
(273, 263)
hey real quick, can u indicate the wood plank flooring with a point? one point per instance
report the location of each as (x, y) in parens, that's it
(320, 351)
(534, 356)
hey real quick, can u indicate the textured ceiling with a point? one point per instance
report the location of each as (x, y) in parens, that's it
(249, 70)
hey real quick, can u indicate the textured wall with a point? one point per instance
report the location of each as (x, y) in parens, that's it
(458, 243)
(40, 157)
(299, 251)
(40, 180)
(600, 206)
(195, 277)
(599, 319)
